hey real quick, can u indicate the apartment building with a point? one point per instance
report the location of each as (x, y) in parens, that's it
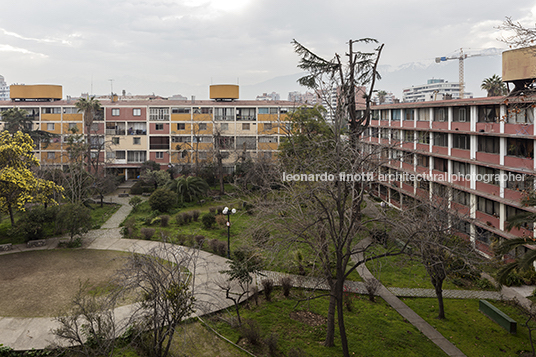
(481, 149)
(434, 89)
(174, 133)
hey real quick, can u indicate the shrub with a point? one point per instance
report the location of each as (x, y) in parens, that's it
(219, 209)
(179, 219)
(147, 233)
(187, 217)
(221, 220)
(268, 287)
(156, 220)
(286, 284)
(271, 343)
(208, 220)
(164, 220)
(199, 240)
(181, 239)
(212, 210)
(162, 200)
(251, 331)
(255, 294)
(195, 215)
(135, 202)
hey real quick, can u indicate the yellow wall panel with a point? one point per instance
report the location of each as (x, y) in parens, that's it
(202, 117)
(50, 117)
(267, 117)
(39, 91)
(71, 117)
(268, 146)
(182, 117)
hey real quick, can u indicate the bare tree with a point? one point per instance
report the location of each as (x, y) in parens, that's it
(161, 281)
(520, 36)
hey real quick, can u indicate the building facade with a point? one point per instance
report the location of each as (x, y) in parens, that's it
(434, 89)
(481, 150)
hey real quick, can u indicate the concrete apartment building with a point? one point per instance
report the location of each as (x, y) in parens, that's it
(175, 133)
(434, 89)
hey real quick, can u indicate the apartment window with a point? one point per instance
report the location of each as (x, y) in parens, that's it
(246, 142)
(181, 126)
(488, 175)
(267, 139)
(397, 155)
(409, 114)
(225, 142)
(440, 114)
(55, 110)
(120, 155)
(395, 135)
(136, 112)
(136, 156)
(115, 112)
(461, 168)
(483, 235)
(461, 141)
(72, 126)
(441, 139)
(513, 211)
(159, 126)
(202, 139)
(488, 114)
(423, 160)
(423, 137)
(224, 114)
(424, 114)
(488, 144)
(50, 126)
(408, 136)
(203, 110)
(51, 155)
(384, 133)
(519, 182)
(70, 110)
(181, 139)
(159, 142)
(136, 141)
(520, 115)
(461, 197)
(396, 114)
(520, 147)
(202, 155)
(159, 155)
(180, 110)
(488, 206)
(268, 126)
(460, 114)
(202, 126)
(245, 126)
(115, 140)
(158, 113)
(247, 114)
(424, 185)
(375, 115)
(441, 164)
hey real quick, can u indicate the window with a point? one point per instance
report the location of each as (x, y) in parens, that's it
(517, 181)
(202, 126)
(460, 114)
(424, 114)
(267, 139)
(461, 197)
(204, 110)
(158, 114)
(461, 141)
(94, 127)
(423, 137)
(488, 114)
(180, 110)
(202, 139)
(440, 114)
(181, 126)
(72, 126)
(441, 139)
(483, 235)
(159, 142)
(50, 126)
(136, 156)
(409, 114)
(461, 168)
(225, 142)
(423, 160)
(136, 112)
(202, 155)
(115, 140)
(136, 141)
(520, 147)
(159, 126)
(51, 155)
(488, 144)
(513, 211)
(488, 175)
(159, 155)
(70, 110)
(181, 139)
(224, 114)
(54, 110)
(246, 142)
(137, 128)
(396, 114)
(520, 115)
(441, 164)
(245, 126)
(395, 135)
(408, 136)
(488, 206)
(264, 111)
(120, 155)
(115, 112)
(246, 114)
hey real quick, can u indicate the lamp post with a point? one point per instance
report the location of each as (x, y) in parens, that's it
(228, 212)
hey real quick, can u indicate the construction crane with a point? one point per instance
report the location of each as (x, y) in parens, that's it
(461, 57)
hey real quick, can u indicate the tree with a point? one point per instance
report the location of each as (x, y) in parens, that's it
(75, 218)
(316, 206)
(381, 96)
(157, 178)
(521, 37)
(162, 200)
(18, 184)
(90, 107)
(160, 280)
(494, 86)
(526, 260)
(189, 188)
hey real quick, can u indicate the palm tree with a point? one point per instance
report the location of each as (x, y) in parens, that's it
(494, 85)
(381, 96)
(189, 188)
(89, 106)
(527, 260)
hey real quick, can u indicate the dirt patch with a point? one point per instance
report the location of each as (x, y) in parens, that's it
(308, 318)
(41, 283)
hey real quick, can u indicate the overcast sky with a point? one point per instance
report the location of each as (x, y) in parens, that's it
(171, 47)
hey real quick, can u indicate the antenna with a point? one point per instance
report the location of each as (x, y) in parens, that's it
(112, 86)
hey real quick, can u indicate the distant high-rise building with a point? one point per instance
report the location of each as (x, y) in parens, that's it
(268, 96)
(435, 89)
(4, 89)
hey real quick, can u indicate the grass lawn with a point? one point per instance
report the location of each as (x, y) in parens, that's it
(41, 283)
(373, 329)
(470, 330)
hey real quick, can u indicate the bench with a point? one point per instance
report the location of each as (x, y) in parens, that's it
(6, 247)
(36, 243)
(498, 316)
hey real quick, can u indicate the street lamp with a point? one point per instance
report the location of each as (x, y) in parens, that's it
(228, 212)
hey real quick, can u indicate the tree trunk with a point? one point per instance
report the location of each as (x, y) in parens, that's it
(220, 169)
(330, 333)
(10, 210)
(340, 315)
(439, 293)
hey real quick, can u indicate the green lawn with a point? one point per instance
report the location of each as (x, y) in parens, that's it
(470, 330)
(373, 329)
